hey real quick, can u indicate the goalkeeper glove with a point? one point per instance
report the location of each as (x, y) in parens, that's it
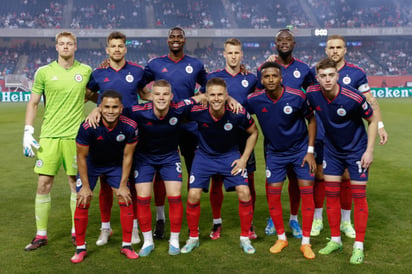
(29, 142)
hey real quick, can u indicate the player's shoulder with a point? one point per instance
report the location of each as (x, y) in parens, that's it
(294, 91)
(352, 93)
(255, 94)
(157, 59)
(86, 125)
(134, 65)
(216, 73)
(127, 121)
(82, 66)
(142, 107)
(198, 108)
(353, 67)
(301, 64)
(313, 88)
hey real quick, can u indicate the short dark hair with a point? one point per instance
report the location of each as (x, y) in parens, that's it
(285, 30)
(216, 82)
(326, 63)
(111, 93)
(176, 28)
(271, 65)
(116, 35)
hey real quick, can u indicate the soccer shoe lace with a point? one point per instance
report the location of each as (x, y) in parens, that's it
(247, 247)
(159, 230)
(36, 243)
(104, 236)
(190, 245)
(307, 251)
(317, 227)
(347, 229)
(173, 250)
(78, 256)
(330, 247)
(145, 251)
(135, 236)
(252, 234)
(215, 233)
(270, 227)
(278, 246)
(129, 252)
(357, 256)
(296, 230)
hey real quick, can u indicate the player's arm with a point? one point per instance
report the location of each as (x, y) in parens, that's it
(31, 111)
(234, 105)
(123, 193)
(91, 96)
(85, 194)
(310, 157)
(367, 157)
(239, 165)
(145, 94)
(383, 135)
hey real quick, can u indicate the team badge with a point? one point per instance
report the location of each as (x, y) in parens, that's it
(228, 126)
(296, 73)
(187, 101)
(365, 106)
(189, 69)
(39, 163)
(287, 109)
(192, 179)
(136, 174)
(245, 83)
(268, 174)
(78, 182)
(120, 137)
(341, 112)
(173, 121)
(346, 80)
(78, 78)
(129, 78)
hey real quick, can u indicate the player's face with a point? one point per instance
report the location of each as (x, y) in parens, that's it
(216, 96)
(233, 55)
(336, 50)
(285, 42)
(271, 78)
(116, 49)
(66, 47)
(327, 79)
(111, 108)
(162, 96)
(176, 41)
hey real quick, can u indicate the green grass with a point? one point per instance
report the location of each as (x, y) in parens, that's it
(387, 244)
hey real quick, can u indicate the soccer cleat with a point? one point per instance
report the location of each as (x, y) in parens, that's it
(270, 227)
(247, 247)
(296, 230)
(215, 233)
(74, 239)
(317, 227)
(104, 236)
(78, 256)
(37, 242)
(307, 251)
(252, 234)
(278, 246)
(173, 250)
(129, 252)
(135, 236)
(357, 256)
(144, 252)
(330, 247)
(190, 245)
(159, 232)
(347, 229)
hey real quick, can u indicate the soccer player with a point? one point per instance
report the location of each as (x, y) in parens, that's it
(281, 112)
(183, 72)
(106, 150)
(127, 78)
(62, 83)
(239, 86)
(351, 75)
(347, 145)
(297, 75)
(218, 153)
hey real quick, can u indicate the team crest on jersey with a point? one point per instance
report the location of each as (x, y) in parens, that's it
(187, 101)
(296, 73)
(365, 106)
(120, 137)
(78, 182)
(192, 179)
(245, 83)
(341, 112)
(39, 163)
(189, 69)
(78, 78)
(173, 121)
(228, 126)
(268, 174)
(136, 174)
(287, 109)
(346, 80)
(129, 78)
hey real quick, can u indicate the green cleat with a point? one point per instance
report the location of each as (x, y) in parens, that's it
(347, 229)
(317, 227)
(331, 247)
(357, 256)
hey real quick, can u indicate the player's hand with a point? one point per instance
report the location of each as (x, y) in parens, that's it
(104, 64)
(310, 159)
(272, 58)
(84, 196)
(94, 117)
(234, 105)
(383, 136)
(29, 142)
(238, 167)
(123, 194)
(367, 159)
(243, 69)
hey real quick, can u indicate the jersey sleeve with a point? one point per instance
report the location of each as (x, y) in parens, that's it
(93, 84)
(83, 135)
(367, 110)
(363, 85)
(38, 84)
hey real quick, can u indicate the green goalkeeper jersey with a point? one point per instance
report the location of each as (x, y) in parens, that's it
(64, 91)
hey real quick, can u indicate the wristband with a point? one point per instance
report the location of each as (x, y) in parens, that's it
(380, 125)
(311, 149)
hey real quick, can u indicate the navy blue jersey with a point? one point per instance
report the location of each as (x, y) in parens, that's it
(220, 136)
(127, 81)
(106, 145)
(283, 120)
(342, 118)
(182, 75)
(296, 75)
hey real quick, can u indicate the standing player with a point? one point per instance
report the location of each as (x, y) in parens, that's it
(297, 75)
(106, 150)
(62, 83)
(341, 109)
(183, 73)
(353, 76)
(219, 153)
(281, 112)
(239, 86)
(127, 78)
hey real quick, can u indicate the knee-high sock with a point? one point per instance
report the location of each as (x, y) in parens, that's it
(251, 180)
(73, 202)
(294, 194)
(126, 219)
(159, 190)
(105, 200)
(319, 193)
(144, 213)
(175, 213)
(216, 196)
(134, 200)
(193, 216)
(246, 216)
(81, 218)
(42, 205)
(345, 195)
(275, 208)
(360, 212)
(308, 209)
(333, 207)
